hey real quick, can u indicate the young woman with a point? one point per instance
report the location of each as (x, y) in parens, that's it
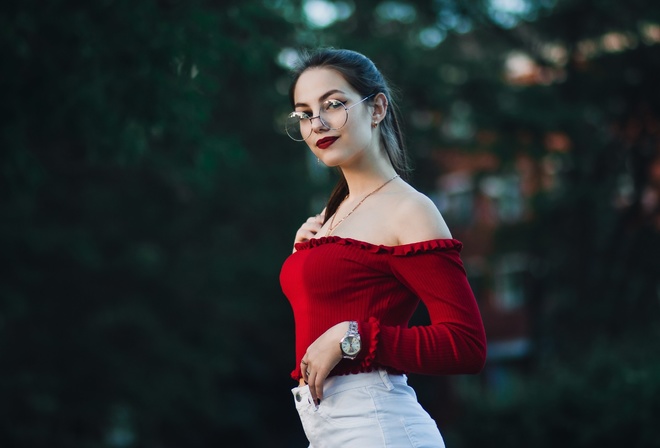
(359, 270)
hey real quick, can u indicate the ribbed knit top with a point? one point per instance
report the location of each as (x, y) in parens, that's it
(333, 279)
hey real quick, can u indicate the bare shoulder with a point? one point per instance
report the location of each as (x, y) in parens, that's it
(417, 218)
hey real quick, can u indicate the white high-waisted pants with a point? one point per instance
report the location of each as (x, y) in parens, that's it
(366, 410)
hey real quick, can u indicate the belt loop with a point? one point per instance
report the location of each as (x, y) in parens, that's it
(386, 379)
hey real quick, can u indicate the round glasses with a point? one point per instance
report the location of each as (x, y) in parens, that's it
(333, 115)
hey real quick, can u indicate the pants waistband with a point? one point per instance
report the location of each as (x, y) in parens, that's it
(340, 383)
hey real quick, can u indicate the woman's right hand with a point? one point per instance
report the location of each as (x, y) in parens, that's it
(309, 229)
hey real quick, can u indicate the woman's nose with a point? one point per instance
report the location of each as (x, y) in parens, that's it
(318, 124)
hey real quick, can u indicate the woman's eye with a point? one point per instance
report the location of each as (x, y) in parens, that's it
(333, 104)
(300, 115)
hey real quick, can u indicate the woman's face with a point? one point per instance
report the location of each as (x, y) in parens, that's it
(348, 144)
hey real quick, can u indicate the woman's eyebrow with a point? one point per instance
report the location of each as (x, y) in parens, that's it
(322, 97)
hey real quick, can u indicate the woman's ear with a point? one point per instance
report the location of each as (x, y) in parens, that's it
(380, 108)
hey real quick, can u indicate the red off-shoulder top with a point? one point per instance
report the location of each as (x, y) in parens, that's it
(333, 279)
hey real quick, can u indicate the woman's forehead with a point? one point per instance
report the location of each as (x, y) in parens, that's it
(315, 82)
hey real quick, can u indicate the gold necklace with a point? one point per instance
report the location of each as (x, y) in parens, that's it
(332, 227)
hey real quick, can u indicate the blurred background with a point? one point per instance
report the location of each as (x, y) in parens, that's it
(150, 196)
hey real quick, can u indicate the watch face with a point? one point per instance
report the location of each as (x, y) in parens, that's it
(350, 345)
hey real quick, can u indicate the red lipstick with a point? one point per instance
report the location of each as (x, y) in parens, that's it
(326, 142)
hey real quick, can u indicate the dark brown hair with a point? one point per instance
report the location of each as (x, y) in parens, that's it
(361, 73)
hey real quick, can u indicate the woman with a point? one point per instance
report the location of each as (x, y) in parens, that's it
(359, 270)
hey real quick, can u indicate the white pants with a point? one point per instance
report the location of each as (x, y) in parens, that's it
(366, 410)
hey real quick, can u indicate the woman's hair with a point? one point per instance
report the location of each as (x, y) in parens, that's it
(361, 73)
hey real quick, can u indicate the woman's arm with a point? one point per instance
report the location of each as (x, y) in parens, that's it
(455, 340)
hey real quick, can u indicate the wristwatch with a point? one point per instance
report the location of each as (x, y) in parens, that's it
(350, 344)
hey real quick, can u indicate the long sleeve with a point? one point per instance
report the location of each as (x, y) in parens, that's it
(455, 340)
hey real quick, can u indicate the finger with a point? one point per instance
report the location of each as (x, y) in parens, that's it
(314, 226)
(319, 379)
(315, 219)
(312, 389)
(304, 235)
(303, 370)
(309, 229)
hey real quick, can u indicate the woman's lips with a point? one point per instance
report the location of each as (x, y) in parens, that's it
(325, 142)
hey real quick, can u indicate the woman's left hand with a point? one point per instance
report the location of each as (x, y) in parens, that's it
(321, 357)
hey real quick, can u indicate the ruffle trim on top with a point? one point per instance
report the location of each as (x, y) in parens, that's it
(373, 341)
(400, 251)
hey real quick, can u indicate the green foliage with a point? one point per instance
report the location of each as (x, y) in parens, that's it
(144, 218)
(607, 397)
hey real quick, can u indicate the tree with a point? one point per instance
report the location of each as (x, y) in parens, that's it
(145, 214)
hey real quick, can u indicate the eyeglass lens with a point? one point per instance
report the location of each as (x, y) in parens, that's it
(332, 114)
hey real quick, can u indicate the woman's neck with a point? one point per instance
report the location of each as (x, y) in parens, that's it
(363, 181)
